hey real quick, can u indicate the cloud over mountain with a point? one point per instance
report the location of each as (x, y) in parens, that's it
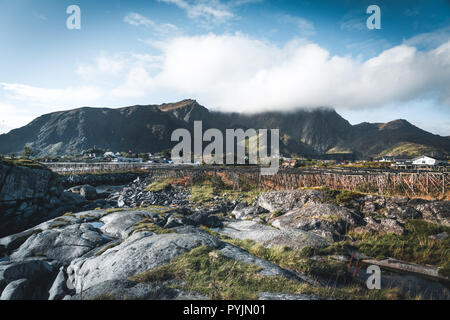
(234, 72)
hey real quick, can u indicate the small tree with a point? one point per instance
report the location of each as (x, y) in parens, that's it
(27, 152)
(12, 156)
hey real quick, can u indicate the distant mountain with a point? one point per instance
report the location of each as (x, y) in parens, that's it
(149, 128)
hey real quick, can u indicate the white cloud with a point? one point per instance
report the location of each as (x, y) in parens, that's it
(234, 72)
(353, 21)
(13, 117)
(242, 74)
(209, 10)
(429, 39)
(40, 16)
(104, 65)
(52, 98)
(304, 26)
(136, 19)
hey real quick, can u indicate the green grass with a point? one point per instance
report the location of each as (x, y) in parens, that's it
(104, 296)
(296, 260)
(109, 246)
(339, 196)
(210, 273)
(276, 213)
(111, 210)
(207, 187)
(159, 185)
(292, 259)
(201, 193)
(69, 214)
(149, 225)
(215, 234)
(408, 149)
(23, 163)
(415, 246)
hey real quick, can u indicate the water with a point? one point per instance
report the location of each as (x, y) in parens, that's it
(97, 224)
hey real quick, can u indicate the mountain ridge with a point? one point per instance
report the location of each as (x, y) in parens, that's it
(148, 128)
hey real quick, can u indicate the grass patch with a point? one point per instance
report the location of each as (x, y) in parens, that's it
(104, 296)
(23, 163)
(206, 187)
(276, 214)
(159, 185)
(209, 272)
(297, 260)
(109, 246)
(340, 196)
(201, 193)
(112, 210)
(215, 234)
(414, 246)
(149, 225)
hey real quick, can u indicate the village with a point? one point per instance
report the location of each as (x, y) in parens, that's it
(423, 162)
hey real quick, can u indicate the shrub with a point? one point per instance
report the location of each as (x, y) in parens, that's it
(367, 187)
(159, 185)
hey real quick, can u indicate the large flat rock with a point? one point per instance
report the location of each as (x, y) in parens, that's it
(270, 236)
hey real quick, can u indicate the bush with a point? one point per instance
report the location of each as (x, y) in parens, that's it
(217, 183)
(367, 187)
(159, 185)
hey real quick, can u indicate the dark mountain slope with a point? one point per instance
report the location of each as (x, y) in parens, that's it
(373, 139)
(149, 128)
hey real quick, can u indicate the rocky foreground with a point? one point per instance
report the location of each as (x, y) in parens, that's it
(167, 240)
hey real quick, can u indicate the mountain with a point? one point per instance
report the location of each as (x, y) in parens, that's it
(148, 129)
(398, 137)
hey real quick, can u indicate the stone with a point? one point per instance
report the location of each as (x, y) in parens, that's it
(136, 254)
(123, 289)
(270, 236)
(384, 225)
(89, 192)
(120, 225)
(59, 288)
(436, 212)
(286, 200)
(439, 237)
(243, 212)
(73, 197)
(16, 290)
(324, 219)
(62, 244)
(28, 269)
(287, 296)
(75, 189)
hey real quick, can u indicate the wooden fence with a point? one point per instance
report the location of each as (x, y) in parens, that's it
(390, 182)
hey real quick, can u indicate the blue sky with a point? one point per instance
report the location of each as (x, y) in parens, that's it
(236, 55)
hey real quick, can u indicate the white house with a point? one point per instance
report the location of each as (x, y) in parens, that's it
(426, 161)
